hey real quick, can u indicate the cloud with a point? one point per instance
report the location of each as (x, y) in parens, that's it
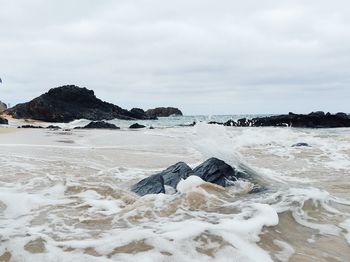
(209, 57)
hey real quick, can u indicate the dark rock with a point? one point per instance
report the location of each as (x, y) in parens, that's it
(151, 127)
(67, 103)
(164, 112)
(3, 121)
(192, 124)
(215, 171)
(215, 123)
(136, 125)
(150, 185)
(30, 126)
(173, 174)
(312, 120)
(3, 107)
(300, 145)
(99, 125)
(230, 123)
(53, 127)
(212, 170)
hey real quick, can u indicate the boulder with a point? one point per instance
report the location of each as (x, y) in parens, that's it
(70, 102)
(150, 185)
(215, 171)
(3, 107)
(99, 125)
(164, 112)
(212, 170)
(3, 121)
(136, 126)
(173, 174)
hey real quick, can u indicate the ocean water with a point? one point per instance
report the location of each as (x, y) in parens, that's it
(65, 195)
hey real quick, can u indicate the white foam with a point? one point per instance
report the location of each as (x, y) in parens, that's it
(188, 184)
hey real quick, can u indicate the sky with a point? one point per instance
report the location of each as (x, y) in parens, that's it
(205, 57)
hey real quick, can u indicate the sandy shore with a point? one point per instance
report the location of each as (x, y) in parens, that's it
(6, 130)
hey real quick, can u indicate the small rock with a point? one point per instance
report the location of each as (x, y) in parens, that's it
(53, 127)
(136, 125)
(301, 144)
(30, 126)
(99, 125)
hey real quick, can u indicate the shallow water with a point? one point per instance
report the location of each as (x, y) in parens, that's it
(64, 195)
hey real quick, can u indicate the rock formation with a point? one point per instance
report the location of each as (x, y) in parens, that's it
(164, 112)
(67, 103)
(212, 170)
(313, 120)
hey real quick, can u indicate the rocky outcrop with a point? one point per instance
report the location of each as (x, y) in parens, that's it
(3, 121)
(164, 112)
(99, 125)
(3, 107)
(136, 126)
(212, 170)
(67, 103)
(313, 120)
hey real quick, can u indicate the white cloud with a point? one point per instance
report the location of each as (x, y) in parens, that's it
(202, 56)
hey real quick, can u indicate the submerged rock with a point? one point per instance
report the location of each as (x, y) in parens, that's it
(164, 112)
(150, 185)
(70, 102)
(215, 171)
(3, 121)
(300, 145)
(99, 125)
(30, 126)
(212, 170)
(136, 125)
(53, 127)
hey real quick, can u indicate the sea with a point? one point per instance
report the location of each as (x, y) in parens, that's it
(65, 194)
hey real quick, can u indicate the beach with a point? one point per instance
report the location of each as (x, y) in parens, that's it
(65, 195)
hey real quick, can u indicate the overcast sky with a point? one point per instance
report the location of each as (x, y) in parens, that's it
(205, 57)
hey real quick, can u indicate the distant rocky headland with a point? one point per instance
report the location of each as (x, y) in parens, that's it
(70, 102)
